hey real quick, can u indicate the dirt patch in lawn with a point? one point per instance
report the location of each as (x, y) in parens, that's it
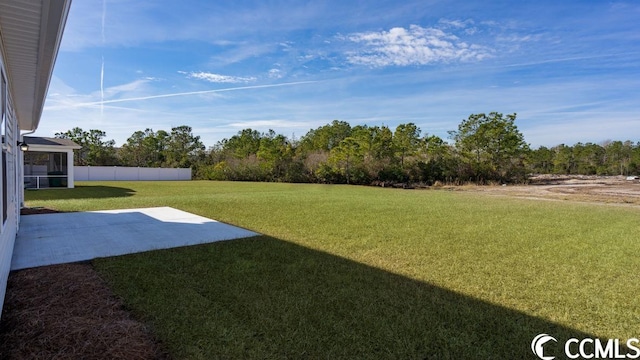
(68, 312)
(599, 189)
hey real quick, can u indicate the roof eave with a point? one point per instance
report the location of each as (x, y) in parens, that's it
(49, 42)
(30, 91)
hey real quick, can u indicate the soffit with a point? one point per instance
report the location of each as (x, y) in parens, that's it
(31, 31)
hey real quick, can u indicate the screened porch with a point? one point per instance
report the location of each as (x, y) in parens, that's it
(48, 163)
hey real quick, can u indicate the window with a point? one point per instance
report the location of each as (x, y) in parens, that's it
(3, 132)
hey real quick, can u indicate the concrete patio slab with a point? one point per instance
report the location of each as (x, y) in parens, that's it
(49, 239)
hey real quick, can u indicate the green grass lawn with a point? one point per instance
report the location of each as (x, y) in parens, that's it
(359, 272)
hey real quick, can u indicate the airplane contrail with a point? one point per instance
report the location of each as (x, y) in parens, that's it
(102, 84)
(192, 93)
(104, 16)
(547, 61)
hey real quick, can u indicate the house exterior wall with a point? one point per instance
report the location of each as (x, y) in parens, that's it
(30, 37)
(9, 177)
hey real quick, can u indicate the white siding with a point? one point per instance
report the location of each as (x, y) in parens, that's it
(9, 228)
(29, 42)
(7, 240)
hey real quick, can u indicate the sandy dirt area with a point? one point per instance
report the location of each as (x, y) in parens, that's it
(599, 189)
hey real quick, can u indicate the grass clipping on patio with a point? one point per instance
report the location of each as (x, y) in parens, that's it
(67, 312)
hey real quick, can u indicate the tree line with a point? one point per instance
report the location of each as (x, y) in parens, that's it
(485, 148)
(176, 149)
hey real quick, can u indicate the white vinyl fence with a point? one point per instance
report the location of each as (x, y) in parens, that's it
(106, 173)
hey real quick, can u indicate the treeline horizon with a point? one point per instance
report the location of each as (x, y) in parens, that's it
(486, 148)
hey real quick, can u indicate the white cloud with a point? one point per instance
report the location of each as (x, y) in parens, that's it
(414, 46)
(286, 46)
(467, 26)
(63, 96)
(128, 88)
(456, 23)
(275, 74)
(264, 124)
(217, 78)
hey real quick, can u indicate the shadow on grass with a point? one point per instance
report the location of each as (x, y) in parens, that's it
(79, 192)
(267, 298)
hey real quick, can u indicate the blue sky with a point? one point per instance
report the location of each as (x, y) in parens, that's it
(569, 69)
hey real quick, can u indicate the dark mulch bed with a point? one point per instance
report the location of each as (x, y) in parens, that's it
(68, 312)
(37, 210)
